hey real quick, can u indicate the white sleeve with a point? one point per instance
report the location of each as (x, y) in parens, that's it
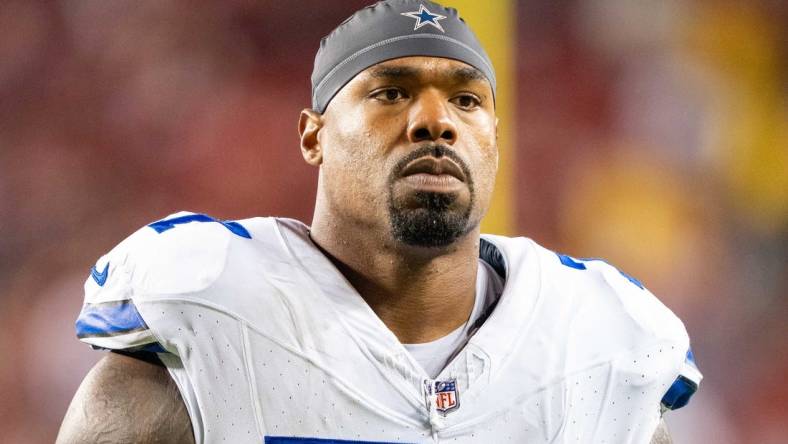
(651, 315)
(157, 259)
(109, 319)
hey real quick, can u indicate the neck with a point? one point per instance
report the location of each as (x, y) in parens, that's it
(421, 294)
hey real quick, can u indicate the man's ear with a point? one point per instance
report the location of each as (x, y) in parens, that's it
(309, 124)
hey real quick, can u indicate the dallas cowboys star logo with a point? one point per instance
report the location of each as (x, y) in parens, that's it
(424, 17)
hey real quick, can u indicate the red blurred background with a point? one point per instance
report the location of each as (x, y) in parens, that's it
(654, 134)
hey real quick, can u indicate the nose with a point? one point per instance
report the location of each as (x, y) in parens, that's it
(430, 120)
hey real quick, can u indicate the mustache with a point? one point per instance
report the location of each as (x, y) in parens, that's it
(435, 150)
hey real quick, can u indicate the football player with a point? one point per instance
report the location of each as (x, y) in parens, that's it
(390, 319)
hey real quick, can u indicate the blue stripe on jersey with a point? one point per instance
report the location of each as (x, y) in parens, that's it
(298, 440)
(691, 358)
(167, 224)
(578, 264)
(679, 393)
(109, 319)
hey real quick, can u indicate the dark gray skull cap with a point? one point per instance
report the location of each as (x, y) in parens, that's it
(388, 30)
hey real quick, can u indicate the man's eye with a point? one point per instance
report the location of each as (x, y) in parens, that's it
(389, 95)
(466, 101)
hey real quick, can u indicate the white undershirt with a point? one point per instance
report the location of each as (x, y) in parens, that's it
(433, 356)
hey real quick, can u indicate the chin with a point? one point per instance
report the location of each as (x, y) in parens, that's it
(428, 227)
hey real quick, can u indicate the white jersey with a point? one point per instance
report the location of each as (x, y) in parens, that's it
(434, 355)
(267, 342)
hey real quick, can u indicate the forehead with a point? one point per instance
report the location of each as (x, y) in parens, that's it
(419, 68)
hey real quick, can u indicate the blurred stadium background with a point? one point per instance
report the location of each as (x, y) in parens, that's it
(651, 133)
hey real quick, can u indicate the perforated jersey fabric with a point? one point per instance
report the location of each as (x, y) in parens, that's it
(268, 342)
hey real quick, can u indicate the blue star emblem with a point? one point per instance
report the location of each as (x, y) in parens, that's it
(424, 17)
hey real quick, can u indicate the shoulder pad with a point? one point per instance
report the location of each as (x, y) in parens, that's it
(182, 253)
(606, 283)
(616, 310)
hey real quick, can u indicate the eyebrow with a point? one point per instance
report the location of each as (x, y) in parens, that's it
(468, 74)
(394, 72)
(463, 74)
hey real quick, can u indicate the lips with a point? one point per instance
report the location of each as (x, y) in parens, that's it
(437, 167)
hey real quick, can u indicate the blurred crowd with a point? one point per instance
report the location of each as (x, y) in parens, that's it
(654, 134)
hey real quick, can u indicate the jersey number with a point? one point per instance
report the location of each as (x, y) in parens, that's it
(167, 224)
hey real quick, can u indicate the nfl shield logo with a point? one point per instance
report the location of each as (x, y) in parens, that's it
(446, 396)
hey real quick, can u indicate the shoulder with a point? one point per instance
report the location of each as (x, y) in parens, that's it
(181, 253)
(606, 315)
(606, 290)
(604, 312)
(599, 289)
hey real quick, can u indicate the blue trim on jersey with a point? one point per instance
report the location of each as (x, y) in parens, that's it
(299, 440)
(679, 393)
(578, 264)
(167, 224)
(569, 262)
(691, 358)
(489, 253)
(100, 278)
(109, 319)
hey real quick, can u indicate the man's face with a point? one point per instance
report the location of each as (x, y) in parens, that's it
(409, 148)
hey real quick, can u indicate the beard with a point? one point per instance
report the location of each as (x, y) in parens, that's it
(434, 223)
(429, 219)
